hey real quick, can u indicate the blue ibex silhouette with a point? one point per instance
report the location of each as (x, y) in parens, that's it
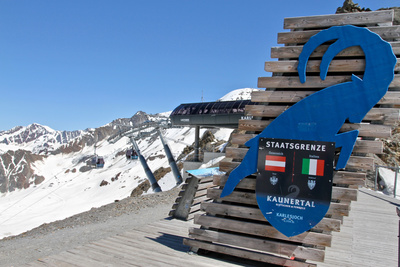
(320, 116)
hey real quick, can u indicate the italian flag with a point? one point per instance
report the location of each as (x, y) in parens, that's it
(275, 163)
(313, 167)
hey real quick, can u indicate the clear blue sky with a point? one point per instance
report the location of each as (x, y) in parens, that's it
(75, 64)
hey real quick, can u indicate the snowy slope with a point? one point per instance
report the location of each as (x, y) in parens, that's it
(68, 191)
(238, 94)
(70, 187)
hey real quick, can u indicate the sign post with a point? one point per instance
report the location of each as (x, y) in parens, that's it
(294, 182)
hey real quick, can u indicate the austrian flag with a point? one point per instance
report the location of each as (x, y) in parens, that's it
(275, 163)
(313, 167)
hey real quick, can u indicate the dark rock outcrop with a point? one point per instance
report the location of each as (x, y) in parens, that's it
(349, 7)
(16, 170)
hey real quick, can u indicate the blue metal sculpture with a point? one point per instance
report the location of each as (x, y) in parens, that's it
(320, 116)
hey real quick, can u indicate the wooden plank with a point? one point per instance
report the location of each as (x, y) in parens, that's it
(368, 130)
(292, 52)
(86, 256)
(57, 260)
(336, 209)
(205, 185)
(226, 165)
(349, 178)
(250, 184)
(262, 230)
(339, 65)
(339, 177)
(368, 146)
(354, 161)
(387, 115)
(365, 130)
(194, 208)
(301, 37)
(200, 193)
(245, 254)
(183, 208)
(366, 237)
(363, 18)
(204, 180)
(136, 244)
(128, 253)
(391, 97)
(359, 163)
(361, 146)
(347, 194)
(199, 200)
(254, 213)
(313, 82)
(293, 82)
(269, 246)
(235, 152)
(175, 251)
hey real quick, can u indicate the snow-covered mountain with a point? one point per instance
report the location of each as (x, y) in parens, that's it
(21, 148)
(45, 175)
(238, 94)
(36, 138)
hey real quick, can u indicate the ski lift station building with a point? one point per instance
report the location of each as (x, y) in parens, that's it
(224, 114)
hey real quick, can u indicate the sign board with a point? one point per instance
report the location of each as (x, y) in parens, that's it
(294, 182)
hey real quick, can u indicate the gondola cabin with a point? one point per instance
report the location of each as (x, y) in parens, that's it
(100, 162)
(131, 154)
(97, 162)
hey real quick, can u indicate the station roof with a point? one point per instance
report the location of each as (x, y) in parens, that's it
(214, 114)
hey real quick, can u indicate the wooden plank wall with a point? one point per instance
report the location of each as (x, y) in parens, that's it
(234, 225)
(199, 196)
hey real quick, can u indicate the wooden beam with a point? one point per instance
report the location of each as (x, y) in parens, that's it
(364, 18)
(360, 163)
(336, 209)
(341, 193)
(292, 52)
(291, 96)
(384, 115)
(246, 254)
(262, 230)
(339, 177)
(339, 65)
(361, 146)
(349, 178)
(366, 130)
(388, 115)
(280, 248)
(301, 37)
(312, 82)
(254, 213)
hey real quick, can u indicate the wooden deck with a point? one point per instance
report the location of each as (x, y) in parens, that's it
(368, 237)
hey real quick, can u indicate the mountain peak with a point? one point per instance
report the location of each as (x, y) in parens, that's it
(239, 94)
(35, 137)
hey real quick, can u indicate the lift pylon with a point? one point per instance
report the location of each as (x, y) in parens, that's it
(171, 160)
(149, 173)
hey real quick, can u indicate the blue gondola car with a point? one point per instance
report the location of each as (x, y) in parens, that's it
(100, 162)
(131, 154)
